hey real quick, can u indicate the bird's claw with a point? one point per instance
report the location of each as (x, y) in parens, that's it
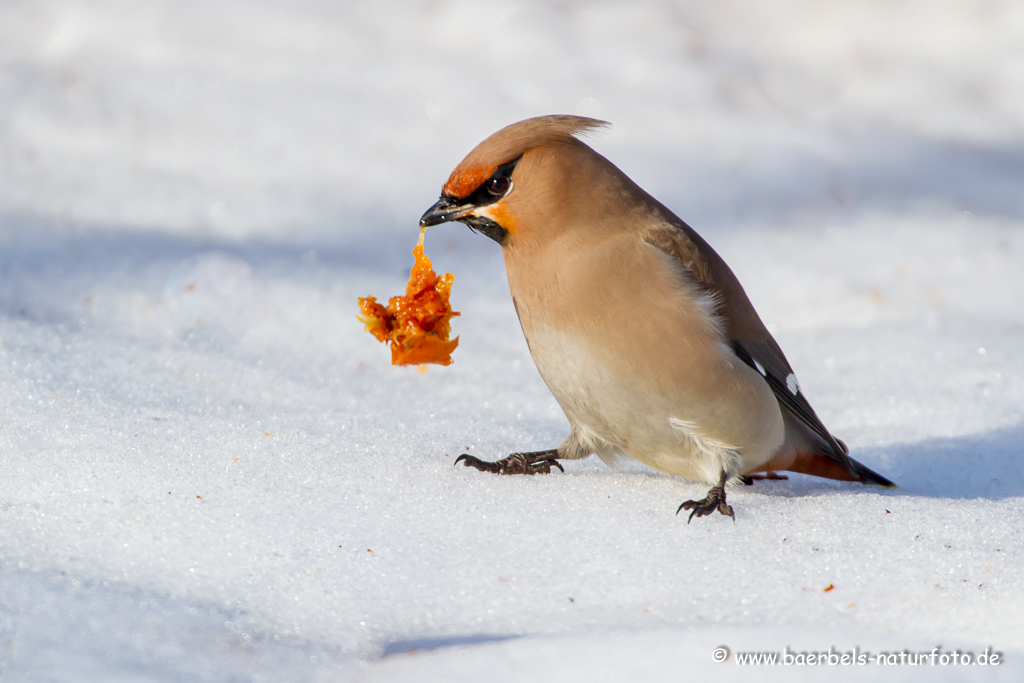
(517, 463)
(715, 500)
(768, 476)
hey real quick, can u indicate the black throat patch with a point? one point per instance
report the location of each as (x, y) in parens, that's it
(486, 226)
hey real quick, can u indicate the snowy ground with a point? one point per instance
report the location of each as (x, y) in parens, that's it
(211, 473)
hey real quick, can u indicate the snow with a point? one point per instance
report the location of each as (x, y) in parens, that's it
(212, 473)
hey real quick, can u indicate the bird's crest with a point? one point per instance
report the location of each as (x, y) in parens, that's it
(511, 142)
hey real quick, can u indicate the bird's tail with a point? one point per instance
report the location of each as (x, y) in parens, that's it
(866, 474)
(869, 476)
(827, 466)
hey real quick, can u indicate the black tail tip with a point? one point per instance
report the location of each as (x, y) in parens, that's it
(869, 476)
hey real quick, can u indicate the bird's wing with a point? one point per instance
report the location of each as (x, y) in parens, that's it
(749, 338)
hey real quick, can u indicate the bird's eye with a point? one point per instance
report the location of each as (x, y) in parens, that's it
(498, 186)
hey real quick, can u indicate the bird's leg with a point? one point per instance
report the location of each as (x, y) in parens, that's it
(770, 475)
(715, 500)
(538, 462)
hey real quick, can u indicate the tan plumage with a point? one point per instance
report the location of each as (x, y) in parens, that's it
(643, 334)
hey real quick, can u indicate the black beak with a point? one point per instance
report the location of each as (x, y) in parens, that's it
(446, 209)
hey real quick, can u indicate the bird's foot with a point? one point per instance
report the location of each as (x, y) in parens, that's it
(715, 500)
(539, 462)
(749, 479)
(768, 476)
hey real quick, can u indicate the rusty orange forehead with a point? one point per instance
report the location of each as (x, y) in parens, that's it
(463, 181)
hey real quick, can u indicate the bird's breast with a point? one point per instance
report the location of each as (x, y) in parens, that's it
(626, 345)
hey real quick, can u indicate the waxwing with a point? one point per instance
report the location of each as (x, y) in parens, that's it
(640, 330)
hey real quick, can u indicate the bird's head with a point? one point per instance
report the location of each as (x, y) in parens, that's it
(512, 177)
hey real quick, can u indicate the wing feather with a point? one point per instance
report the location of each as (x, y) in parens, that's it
(748, 336)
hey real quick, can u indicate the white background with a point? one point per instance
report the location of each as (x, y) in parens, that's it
(208, 471)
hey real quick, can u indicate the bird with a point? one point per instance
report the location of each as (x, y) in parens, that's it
(642, 333)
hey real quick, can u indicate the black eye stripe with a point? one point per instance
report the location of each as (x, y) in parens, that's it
(498, 186)
(494, 188)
